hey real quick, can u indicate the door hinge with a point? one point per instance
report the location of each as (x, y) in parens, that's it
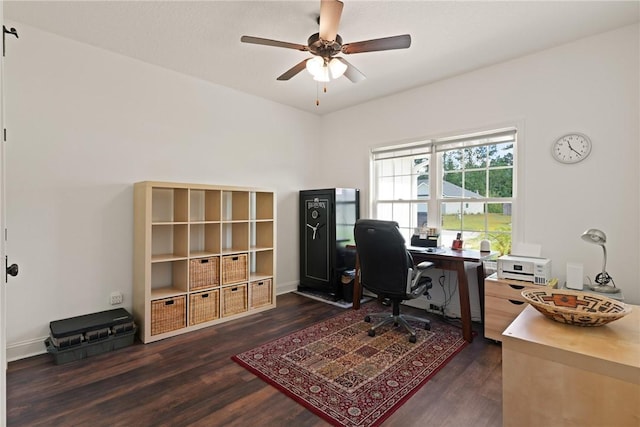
(12, 31)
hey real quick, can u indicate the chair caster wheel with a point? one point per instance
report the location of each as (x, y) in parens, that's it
(412, 339)
(372, 333)
(367, 319)
(427, 326)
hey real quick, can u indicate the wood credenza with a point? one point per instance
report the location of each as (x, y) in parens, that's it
(562, 375)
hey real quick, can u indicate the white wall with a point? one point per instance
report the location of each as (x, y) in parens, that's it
(84, 124)
(589, 86)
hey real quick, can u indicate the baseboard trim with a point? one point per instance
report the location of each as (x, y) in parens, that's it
(285, 288)
(24, 349)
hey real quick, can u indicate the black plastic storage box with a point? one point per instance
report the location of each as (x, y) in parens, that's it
(79, 337)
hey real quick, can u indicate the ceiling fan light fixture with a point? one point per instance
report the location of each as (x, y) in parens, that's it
(323, 75)
(314, 66)
(337, 68)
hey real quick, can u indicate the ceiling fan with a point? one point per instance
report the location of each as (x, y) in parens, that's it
(327, 43)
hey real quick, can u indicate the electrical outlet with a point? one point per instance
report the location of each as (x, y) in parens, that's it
(116, 298)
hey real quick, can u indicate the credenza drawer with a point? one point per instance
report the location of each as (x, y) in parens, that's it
(506, 290)
(499, 313)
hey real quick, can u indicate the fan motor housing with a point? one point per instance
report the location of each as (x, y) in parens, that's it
(324, 48)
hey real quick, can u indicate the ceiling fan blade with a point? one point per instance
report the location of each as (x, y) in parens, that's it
(293, 70)
(352, 73)
(330, 12)
(276, 43)
(387, 43)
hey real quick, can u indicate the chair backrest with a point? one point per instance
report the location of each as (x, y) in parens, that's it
(384, 260)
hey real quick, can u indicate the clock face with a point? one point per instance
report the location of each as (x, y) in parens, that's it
(571, 148)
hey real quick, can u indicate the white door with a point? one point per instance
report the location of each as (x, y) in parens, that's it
(3, 307)
(6, 268)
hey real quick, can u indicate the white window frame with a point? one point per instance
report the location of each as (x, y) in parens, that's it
(434, 147)
(400, 151)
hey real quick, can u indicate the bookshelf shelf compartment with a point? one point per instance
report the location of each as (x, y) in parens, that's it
(204, 239)
(204, 206)
(169, 240)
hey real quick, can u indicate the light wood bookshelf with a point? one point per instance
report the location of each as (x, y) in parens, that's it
(177, 223)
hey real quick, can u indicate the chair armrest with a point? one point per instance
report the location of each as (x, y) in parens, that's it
(416, 286)
(424, 265)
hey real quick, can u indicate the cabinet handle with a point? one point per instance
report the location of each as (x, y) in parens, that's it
(260, 283)
(234, 289)
(205, 295)
(516, 302)
(204, 261)
(235, 258)
(517, 287)
(170, 302)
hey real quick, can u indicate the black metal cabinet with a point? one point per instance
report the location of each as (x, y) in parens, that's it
(327, 218)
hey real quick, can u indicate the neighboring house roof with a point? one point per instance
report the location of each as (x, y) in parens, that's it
(448, 190)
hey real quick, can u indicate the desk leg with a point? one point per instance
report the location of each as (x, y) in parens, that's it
(356, 286)
(465, 306)
(480, 275)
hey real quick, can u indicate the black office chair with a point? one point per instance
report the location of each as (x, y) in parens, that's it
(387, 269)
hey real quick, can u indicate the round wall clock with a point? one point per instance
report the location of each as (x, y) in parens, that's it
(571, 148)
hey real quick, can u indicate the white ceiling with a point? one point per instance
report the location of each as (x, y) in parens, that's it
(202, 38)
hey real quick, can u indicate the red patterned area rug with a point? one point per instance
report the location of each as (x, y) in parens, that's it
(338, 371)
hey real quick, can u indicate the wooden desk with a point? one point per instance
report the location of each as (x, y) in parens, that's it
(447, 259)
(562, 375)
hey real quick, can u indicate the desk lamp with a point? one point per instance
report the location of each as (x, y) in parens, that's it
(598, 237)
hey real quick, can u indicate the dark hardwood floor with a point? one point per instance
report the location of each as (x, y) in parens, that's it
(191, 380)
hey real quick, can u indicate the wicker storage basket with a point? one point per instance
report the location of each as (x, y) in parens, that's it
(234, 300)
(261, 293)
(168, 314)
(203, 273)
(234, 269)
(203, 307)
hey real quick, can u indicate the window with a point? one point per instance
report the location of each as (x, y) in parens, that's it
(401, 188)
(471, 178)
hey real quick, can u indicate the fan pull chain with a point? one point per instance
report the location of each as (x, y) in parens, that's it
(324, 90)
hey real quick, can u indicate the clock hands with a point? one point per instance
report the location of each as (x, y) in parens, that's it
(572, 149)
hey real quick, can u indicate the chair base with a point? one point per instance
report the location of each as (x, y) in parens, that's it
(397, 319)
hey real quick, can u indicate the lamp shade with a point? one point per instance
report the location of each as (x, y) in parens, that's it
(323, 75)
(314, 66)
(337, 68)
(594, 236)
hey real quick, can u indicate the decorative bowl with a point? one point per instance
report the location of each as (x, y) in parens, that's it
(576, 307)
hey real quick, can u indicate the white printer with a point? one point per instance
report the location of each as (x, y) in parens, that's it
(529, 269)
